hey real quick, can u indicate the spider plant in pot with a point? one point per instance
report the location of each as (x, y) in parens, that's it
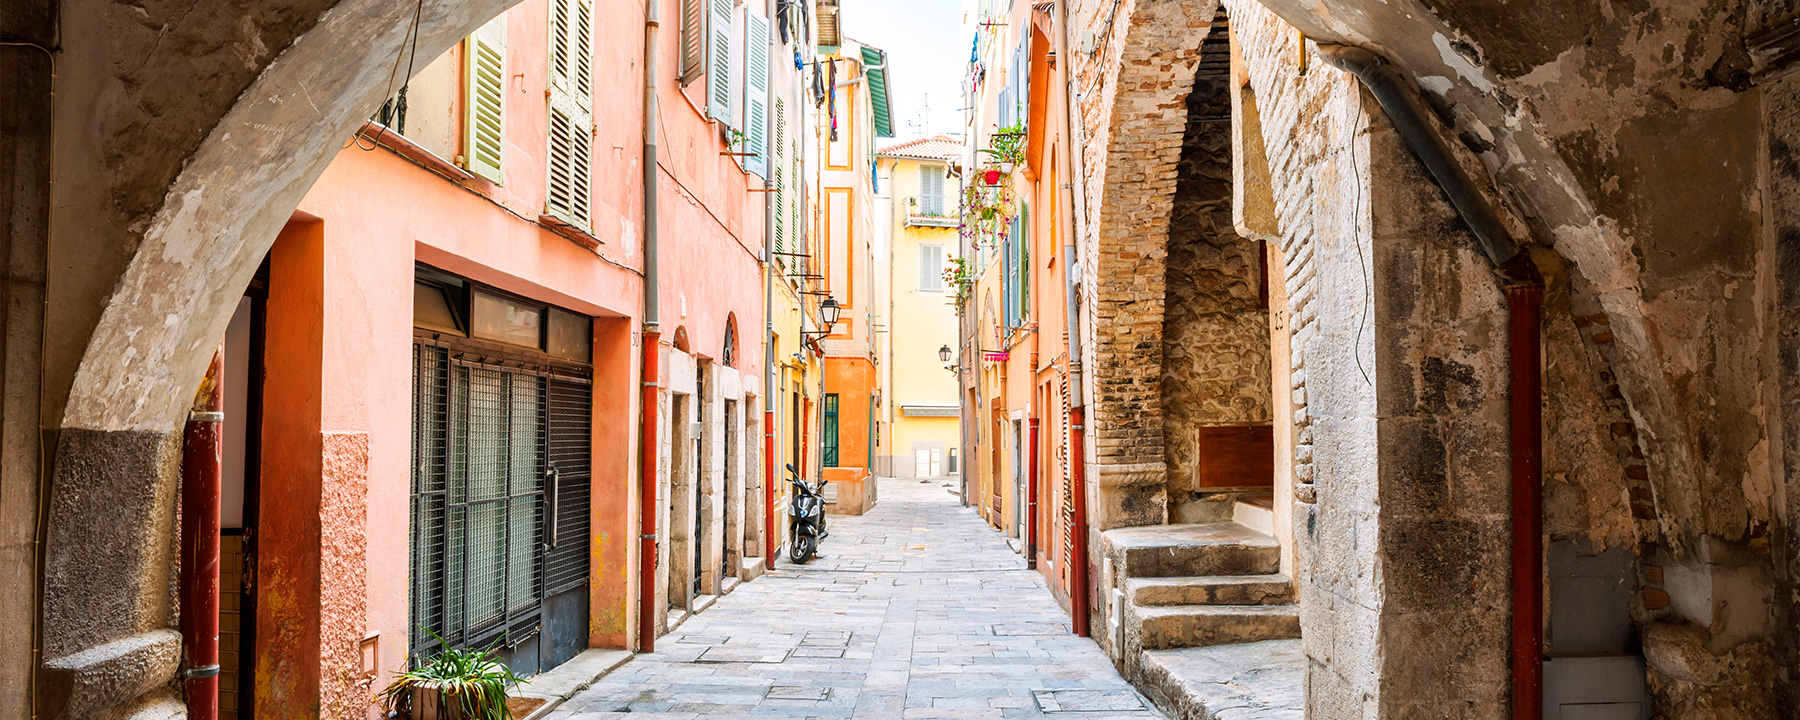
(452, 685)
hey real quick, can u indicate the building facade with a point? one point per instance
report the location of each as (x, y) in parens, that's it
(920, 409)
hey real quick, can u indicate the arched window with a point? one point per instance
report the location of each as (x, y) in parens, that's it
(729, 354)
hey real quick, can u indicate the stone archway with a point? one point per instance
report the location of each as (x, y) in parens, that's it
(1152, 54)
(185, 140)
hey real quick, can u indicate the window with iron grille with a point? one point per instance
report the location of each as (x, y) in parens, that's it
(828, 431)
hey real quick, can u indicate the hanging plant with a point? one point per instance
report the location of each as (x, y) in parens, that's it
(960, 275)
(988, 210)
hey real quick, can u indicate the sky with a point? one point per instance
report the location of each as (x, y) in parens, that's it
(927, 54)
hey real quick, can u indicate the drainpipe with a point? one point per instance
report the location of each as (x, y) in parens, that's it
(1031, 500)
(200, 485)
(652, 367)
(1524, 293)
(1072, 179)
(769, 351)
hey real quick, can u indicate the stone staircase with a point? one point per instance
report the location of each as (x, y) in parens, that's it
(1197, 585)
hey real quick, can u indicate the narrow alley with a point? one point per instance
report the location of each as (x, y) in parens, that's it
(915, 610)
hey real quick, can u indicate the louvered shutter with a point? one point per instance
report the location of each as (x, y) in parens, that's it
(693, 39)
(570, 132)
(756, 92)
(778, 147)
(931, 190)
(485, 105)
(719, 87)
(931, 268)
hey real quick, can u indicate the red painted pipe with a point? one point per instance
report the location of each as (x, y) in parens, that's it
(1078, 592)
(769, 489)
(1031, 500)
(1524, 301)
(201, 462)
(647, 501)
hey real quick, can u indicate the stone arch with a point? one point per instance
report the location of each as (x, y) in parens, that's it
(198, 133)
(1157, 46)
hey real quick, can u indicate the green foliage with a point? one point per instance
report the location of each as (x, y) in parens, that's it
(987, 211)
(1007, 145)
(960, 274)
(472, 679)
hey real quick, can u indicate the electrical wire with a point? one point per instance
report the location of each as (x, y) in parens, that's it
(412, 33)
(1356, 235)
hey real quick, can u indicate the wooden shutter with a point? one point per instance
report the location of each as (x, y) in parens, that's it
(485, 107)
(570, 129)
(931, 268)
(778, 148)
(756, 93)
(693, 39)
(719, 87)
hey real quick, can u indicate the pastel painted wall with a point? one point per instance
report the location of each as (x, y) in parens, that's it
(922, 319)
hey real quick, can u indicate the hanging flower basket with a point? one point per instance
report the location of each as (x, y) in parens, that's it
(991, 176)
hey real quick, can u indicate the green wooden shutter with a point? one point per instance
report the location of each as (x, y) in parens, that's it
(756, 92)
(779, 150)
(719, 87)
(485, 105)
(570, 131)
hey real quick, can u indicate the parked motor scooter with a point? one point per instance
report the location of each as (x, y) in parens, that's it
(806, 517)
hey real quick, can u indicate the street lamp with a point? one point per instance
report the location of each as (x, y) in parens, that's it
(944, 354)
(828, 316)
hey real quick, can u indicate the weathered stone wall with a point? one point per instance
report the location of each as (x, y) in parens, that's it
(1215, 333)
(1782, 135)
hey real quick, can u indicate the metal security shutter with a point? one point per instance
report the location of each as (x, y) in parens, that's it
(566, 564)
(484, 106)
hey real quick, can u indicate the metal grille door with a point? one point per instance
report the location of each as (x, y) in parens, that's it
(490, 542)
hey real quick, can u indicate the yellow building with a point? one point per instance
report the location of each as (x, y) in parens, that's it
(919, 409)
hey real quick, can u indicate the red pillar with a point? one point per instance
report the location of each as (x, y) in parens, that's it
(647, 499)
(1527, 383)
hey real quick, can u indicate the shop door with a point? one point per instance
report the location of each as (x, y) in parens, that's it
(568, 490)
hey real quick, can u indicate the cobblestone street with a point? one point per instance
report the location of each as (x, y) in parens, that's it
(915, 610)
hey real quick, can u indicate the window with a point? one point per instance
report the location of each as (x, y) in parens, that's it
(568, 155)
(485, 106)
(507, 320)
(828, 432)
(931, 190)
(931, 268)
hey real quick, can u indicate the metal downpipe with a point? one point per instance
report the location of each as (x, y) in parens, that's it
(652, 345)
(201, 472)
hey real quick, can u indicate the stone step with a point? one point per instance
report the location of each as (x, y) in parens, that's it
(1256, 512)
(1224, 548)
(1210, 590)
(1179, 626)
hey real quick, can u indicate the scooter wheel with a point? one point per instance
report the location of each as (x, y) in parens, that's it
(802, 549)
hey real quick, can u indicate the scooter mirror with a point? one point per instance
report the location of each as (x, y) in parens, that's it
(791, 468)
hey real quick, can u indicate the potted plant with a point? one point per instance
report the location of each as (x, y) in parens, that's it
(452, 685)
(1006, 149)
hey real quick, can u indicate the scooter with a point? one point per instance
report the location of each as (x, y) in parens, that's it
(806, 517)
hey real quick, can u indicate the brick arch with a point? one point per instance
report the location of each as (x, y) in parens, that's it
(198, 134)
(1156, 44)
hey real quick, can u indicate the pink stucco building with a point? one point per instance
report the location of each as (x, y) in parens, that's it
(435, 379)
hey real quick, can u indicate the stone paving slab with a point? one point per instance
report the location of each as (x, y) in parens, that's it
(1249, 681)
(915, 610)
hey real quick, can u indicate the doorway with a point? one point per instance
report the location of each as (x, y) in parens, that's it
(242, 463)
(735, 510)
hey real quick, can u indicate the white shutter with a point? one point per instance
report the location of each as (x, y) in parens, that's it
(778, 164)
(931, 268)
(485, 105)
(570, 129)
(931, 189)
(756, 93)
(719, 87)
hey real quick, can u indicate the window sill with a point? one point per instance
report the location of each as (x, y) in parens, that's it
(399, 145)
(572, 233)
